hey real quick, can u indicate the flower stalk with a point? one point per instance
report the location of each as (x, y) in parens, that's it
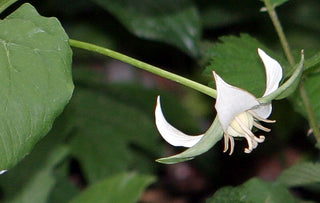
(147, 67)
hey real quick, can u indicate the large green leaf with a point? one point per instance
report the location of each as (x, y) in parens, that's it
(236, 60)
(173, 22)
(35, 80)
(254, 190)
(126, 187)
(301, 175)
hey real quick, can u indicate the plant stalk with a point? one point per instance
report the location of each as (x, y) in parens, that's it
(147, 67)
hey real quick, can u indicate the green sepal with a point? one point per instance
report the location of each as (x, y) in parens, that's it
(210, 138)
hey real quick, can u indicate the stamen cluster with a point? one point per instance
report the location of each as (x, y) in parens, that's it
(241, 126)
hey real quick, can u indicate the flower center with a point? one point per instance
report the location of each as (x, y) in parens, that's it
(241, 126)
(239, 123)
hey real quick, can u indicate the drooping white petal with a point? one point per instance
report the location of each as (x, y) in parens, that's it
(273, 76)
(231, 101)
(273, 72)
(172, 135)
(263, 110)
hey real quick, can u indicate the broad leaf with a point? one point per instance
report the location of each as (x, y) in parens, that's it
(254, 190)
(301, 175)
(35, 80)
(236, 60)
(174, 22)
(119, 188)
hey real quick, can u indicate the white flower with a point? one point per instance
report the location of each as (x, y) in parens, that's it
(237, 110)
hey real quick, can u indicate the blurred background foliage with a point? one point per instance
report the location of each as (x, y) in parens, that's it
(108, 127)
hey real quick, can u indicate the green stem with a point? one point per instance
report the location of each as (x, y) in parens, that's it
(150, 68)
(285, 45)
(275, 20)
(312, 118)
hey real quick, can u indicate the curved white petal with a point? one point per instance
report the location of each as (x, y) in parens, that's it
(263, 110)
(273, 72)
(231, 101)
(172, 135)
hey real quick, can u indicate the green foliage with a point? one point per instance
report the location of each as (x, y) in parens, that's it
(220, 13)
(4, 4)
(103, 126)
(104, 144)
(126, 187)
(313, 63)
(302, 174)
(33, 179)
(276, 3)
(63, 191)
(254, 190)
(312, 86)
(174, 22)
(117, 120)
(35, 79)
(236, 60)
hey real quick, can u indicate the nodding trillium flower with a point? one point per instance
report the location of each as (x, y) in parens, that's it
(237, 110)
